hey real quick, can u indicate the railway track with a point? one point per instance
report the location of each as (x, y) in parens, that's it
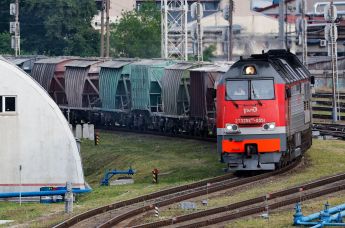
(113, 214)
(256, 205)
(336, 130)
(149, 132)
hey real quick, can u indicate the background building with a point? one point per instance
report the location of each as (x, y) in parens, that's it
(116, 9)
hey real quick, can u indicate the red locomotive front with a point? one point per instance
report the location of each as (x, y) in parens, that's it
(254, 113)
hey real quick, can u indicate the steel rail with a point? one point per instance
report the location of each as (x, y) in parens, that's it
(236, 183)
(88, 214)
(238, 205)
(157, 133)
(259, 209)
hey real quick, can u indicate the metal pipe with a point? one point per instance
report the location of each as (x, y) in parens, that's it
(304, 36)
(42, 193)
(317, 214)
(281, 24)
(323, 4)
(107, 28)
(17, 32)
(199, 37)
(102, 29)
(230, 32)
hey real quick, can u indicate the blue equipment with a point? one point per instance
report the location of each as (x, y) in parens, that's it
(42, 193)
(327, 217)
(110, 173)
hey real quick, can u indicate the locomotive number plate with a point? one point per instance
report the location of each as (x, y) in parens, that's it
(250, 121)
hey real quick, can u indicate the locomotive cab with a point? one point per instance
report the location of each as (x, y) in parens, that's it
(255, 115)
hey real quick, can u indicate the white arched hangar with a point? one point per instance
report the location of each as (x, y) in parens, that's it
(37, 148)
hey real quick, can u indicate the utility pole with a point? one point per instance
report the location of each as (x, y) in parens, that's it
(331, 34)
(174, 29)
(331, 16)
(230, 33)
(304, 35)
(108, 28)
(199, 33)
(17, 32)
(281, 24)
(102, 29)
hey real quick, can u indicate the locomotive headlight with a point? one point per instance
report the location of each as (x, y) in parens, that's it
(269, 126)
(249, 70)
(232, 128)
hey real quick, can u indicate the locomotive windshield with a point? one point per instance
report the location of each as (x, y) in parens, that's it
(260, 89)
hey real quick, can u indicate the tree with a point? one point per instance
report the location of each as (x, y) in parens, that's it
(209, 52)
(54, 27)
(138, 33)
(5, 43)
(59, 27)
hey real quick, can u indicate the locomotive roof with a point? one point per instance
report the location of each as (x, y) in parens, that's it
(284, 66)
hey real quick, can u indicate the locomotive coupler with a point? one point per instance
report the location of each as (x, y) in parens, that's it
(259, 166)
(244, 166)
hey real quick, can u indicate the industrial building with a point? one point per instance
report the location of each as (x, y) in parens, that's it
(317, 44)
(37, 146)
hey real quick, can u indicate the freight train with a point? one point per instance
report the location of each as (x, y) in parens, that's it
(157, 94)
(264, 111)
(263, 118)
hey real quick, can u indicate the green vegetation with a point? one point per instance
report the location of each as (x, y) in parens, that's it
(5, 43)
(138, 33)
(324, 159)
(283, 218)
(180, 162)
(327, 113)
(53, 27)
(208, 54)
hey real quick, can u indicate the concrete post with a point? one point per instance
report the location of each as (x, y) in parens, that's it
(78, 131)
(91, 132)
(69, 198)
(85, 131)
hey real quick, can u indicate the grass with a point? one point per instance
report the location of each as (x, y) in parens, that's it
(327, 113)
(325, 158)
(179, 161)
(283, 218)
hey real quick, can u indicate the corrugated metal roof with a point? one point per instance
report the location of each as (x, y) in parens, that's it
(181, 66)
(142, 74)
(108, 83)
(114, 64)
(74, 85)
(82, 63)
(20, 61)
(52, 60)
(43, 73)
(150, 62)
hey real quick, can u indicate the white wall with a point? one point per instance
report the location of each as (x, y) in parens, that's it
(37, 137)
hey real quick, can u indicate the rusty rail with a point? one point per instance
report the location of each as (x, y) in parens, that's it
(88, 214)
(259, 209)
(246, 203)
(233, 184)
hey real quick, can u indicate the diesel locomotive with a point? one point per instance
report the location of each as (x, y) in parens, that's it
(264, 111)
